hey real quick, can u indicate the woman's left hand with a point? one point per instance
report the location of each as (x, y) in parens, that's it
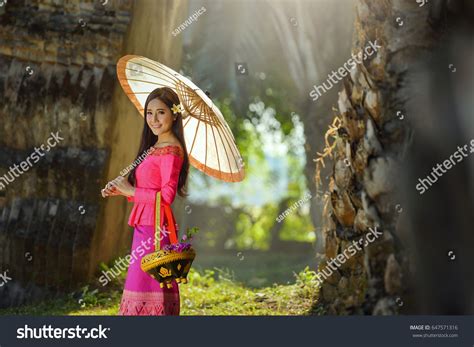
(123, 186)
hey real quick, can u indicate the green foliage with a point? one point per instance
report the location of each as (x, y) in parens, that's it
(252, 228)
(306, 277)
(88, 297)
(206, 279)
(258, 135)
(298, 226)
(190, 232)
(307, 282)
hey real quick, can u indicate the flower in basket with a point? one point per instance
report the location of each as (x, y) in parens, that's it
(177, 247)
(182, 246)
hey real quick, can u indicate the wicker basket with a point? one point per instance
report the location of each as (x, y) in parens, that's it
(164, 266)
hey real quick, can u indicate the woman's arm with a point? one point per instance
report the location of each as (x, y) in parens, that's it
(118, 186)
(169, 167)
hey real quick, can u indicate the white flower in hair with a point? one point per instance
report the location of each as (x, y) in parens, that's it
(177, 108)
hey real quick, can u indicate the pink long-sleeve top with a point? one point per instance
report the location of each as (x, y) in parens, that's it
(159, 171)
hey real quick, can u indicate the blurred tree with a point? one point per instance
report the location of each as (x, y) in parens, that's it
(287, 48)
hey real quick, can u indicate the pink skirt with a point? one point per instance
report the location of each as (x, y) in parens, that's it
(142, 295)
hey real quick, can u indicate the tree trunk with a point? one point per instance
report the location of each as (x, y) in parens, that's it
(371, 143)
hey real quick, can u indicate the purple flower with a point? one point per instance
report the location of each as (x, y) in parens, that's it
(177, 247)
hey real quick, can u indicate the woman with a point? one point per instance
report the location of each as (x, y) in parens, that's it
(160, 175)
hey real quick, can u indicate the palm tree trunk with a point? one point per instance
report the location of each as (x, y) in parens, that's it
(370, 146)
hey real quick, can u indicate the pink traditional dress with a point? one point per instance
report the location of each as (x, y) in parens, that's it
(142, 295)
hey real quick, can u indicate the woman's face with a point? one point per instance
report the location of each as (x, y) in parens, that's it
(159, 117)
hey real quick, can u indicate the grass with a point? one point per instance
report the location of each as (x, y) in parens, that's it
(209, 292)
(257, 269)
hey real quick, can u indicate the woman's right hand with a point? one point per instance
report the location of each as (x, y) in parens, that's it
(109, 190)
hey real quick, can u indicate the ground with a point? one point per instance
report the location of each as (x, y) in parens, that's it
(208, 293)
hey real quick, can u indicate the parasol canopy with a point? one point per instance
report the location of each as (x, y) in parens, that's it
(210, 143)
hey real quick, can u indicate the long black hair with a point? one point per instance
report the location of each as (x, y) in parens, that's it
(170, 98)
